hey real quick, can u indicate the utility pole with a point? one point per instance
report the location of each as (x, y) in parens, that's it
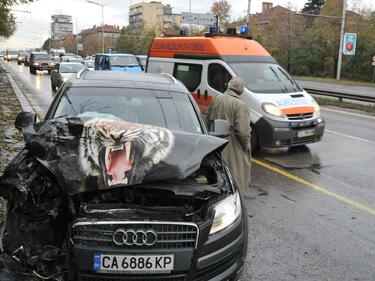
(102, 5)
(189, 6)
(339, 62)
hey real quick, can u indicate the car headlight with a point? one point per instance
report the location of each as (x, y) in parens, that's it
(35, 64)
(51, 64)
(226, 212)
(64, 79)
(316, 107)
(272, 109)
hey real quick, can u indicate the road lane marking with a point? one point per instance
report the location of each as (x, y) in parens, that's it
(348, 113)
(334, 195)
(349, 136)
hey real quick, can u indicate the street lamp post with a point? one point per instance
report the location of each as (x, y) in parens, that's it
(339, 62)
(102, 5)
(248, 14)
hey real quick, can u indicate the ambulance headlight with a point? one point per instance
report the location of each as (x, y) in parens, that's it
(272, 109)
(226, 212)
(316, 107)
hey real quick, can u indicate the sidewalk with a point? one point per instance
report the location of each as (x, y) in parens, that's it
(11, 141)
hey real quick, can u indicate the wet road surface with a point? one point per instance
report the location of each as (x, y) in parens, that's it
(318, 220)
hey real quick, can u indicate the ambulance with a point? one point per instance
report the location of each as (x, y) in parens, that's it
(282, 113)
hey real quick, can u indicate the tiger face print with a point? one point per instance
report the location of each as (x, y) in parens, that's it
(121, 151)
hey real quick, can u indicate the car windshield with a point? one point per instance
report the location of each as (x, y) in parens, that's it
(23, 54)
(159, 108)
(12, 52)
(265, 78)
(123, 61)
(42, 57)
(71, 68)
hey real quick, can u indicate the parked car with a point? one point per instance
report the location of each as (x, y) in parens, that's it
(2, 54)
(122, 182)
(40, 61)
(62, 72)
(11, 55)
(21, 57)
(117, 62)
(142, 60)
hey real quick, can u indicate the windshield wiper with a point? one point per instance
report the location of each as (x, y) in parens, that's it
(285, 90)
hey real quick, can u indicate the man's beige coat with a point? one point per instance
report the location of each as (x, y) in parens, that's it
(237, 154)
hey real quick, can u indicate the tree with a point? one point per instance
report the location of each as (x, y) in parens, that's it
(92, 44)
(7, 20)
(313, 7)
(135, 44)
(222, 9)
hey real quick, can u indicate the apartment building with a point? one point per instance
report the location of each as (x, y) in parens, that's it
(153, 15)
(61, 26)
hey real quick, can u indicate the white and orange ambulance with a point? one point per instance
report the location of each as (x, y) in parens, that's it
(282, 113)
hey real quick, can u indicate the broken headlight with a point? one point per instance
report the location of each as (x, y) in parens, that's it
(226, 212)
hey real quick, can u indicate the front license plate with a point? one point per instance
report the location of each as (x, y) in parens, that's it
(136, 264)
(306, 133)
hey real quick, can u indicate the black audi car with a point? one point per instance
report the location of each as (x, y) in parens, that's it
(121, 181)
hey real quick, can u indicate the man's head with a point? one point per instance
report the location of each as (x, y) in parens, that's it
(237, 85)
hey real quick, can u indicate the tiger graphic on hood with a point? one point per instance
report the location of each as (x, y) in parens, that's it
(122, 152)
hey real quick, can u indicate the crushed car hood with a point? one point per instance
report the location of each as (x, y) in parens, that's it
(87, 154)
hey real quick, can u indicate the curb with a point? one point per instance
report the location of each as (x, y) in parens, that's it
(23, 101)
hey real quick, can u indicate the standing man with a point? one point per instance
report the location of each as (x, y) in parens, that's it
(237, 153)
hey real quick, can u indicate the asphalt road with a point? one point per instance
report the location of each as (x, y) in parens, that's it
(318, 220)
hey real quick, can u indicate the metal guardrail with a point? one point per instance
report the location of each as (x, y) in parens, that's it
(341, 96)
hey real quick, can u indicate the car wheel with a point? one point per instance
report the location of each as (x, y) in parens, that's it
(31, 70)
(49, 72)
(18, 63)
(53, 87)
(254, 139)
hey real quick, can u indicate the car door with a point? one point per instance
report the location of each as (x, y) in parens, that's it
(190, 73)
(217, 77)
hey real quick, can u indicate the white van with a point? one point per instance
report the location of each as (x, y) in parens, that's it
(282, 113)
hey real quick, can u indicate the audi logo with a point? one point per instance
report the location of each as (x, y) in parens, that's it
(132, 237)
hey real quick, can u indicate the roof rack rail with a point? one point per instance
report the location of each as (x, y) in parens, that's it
(174, 80)
(228, 35)
(79, 73)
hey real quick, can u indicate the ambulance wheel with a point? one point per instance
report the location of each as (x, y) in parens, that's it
(254, 140)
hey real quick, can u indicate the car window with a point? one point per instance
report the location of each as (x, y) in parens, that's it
(172, 110)
(123, 61)
(189, 74)
(42, 57)
(218, 77)
(71, 68)
(265, 78)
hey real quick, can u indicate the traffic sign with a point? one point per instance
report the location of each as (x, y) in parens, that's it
(80, 47)
(200, 19)
(350, 44)
(373, 60)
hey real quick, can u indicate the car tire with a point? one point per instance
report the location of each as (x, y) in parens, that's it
(18, 63)
(31, 70)
(49, 72)
(53, 87)
(254, 139)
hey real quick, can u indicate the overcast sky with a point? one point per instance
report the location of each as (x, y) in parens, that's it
(33, 28)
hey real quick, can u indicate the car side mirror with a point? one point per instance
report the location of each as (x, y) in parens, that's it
(221, 128)
(24, 119)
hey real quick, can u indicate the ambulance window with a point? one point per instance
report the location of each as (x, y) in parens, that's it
(189, 75)
(218, 77)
